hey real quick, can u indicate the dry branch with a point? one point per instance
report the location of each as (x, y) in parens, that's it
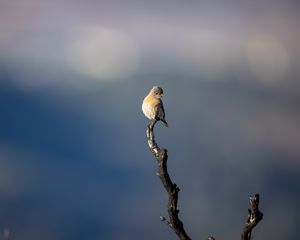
(171, 188)
(254, 216)
(161, 156)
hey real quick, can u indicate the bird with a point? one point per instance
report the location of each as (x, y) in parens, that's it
(153, 107)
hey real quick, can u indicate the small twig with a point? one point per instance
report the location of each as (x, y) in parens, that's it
(254, 216)
(161, 156)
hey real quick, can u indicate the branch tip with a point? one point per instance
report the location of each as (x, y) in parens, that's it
(254, 217)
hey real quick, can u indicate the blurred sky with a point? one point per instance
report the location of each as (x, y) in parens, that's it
(74, 161)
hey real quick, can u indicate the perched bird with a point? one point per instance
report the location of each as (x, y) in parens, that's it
(153, 107)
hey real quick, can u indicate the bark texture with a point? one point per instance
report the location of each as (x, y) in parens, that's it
(254, 216)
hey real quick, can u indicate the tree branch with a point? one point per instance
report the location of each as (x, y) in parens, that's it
(161, 156)
(254, 216)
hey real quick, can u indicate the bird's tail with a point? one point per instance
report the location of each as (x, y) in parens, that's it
(165, 123)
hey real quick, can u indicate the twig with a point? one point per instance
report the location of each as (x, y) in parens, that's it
(161, 156)
(254, 216)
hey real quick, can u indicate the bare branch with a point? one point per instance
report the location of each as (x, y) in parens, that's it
(161, 156)
(254, 216)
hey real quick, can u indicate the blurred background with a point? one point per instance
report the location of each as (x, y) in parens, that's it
(74, 160)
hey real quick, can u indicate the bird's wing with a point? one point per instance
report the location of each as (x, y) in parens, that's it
(161, 114)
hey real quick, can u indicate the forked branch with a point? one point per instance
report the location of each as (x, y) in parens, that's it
(171, 188)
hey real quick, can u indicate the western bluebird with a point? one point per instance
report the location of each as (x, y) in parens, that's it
(153, 107)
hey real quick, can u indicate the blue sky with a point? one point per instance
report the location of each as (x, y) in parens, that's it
(74, 161)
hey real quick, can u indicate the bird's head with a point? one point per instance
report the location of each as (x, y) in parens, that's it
(157, 92)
